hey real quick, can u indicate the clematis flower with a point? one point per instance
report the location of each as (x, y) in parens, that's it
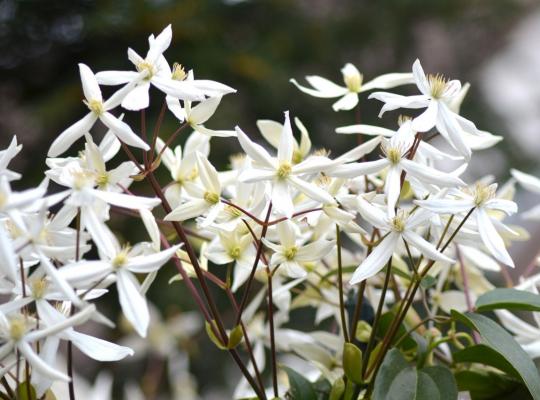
(205, 199)
(483, 199)
(291, 253)
(271, 131)
(354, 85)
(123, 263)
(281, 170)
(401, 226)
(156, 72)
(6, 156)
(395, 151)
(98, 110)
(438, 96)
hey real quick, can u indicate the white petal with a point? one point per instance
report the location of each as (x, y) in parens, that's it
(427, 120)
(359, 151)
(388, 81)
(376, 260)
(446, 206)
(159, 44)
(254, 150)
(115, 77)
(281, 198)
(323, 87)
(208, 175)
(101, 235)
(311, 190)
(426, 248)
(287, 234)
(212, 88)
(39, 365)
(491, 238)
(188, 210)
(370, 130)
(149, 263)
(71, 134)
(133, 303)
(8, 265)
(138, 98)
(203, 111)
(529, 182)
(84, 273)
(123, 131)
(430, 175)
(271, 131)
(126, 200)
(507, 206)
(98, 349)
(372, 214)
(347, 102)
(392, 188)
(255, 175)
(292, 269)
(355, 170)
(314, 251)
(183, 90)
(420, 78)
(286, 143)
(89, 83)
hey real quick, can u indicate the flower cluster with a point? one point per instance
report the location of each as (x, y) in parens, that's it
(388, 231)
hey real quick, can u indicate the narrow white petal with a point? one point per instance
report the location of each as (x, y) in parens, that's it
(126, 200)
(149, 263)
(115, 77)
(323, 88)
(89, 83)
(372, 214)
(188, 210)
(98, 349)
(491, 238)
(287, 234)
(8, 265)
(311, 190)
(314, 251)
(355, 170)
(427, 120)
(426, 248)
(71, 134)
(208, 175)
(254, 150)
(529, 182)
(133, 303)
(39, 365)
(347, 102)
(159, 44)
(370, 130)
(507, 206)
(183, 90)
(203, 111)
(100, 233)
(420, 78)
(85, 273)
(123, 131)
(376, 260)
(286, 143)
(446, 206)
(388, 81)
(271, 131)
(281, 198)
(138, 98)
(430, 175)
(392, 188)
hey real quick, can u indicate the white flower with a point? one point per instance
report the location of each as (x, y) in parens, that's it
(123, 263)
(291, 253)
(532, 184)
(353, 85)
(438, 95)
(483, 199)
(98, 110)
(281, 170)
(272, 130)
(205, 199)
(396, 150)
(6, 156)
(399, 227)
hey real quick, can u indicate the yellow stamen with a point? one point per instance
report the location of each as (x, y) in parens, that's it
(212, 198)
(96, 106)
(290, 253)
(437, 84)
(178, 72)
(146, 66)
(284, 170)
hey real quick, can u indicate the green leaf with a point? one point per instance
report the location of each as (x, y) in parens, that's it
(212, 336)
(411, 384)
(338, 388)
(483, 354)
(352, 362)
(502, 342)
(392, 365)
(508, 299)
(428, 281)
(445, 381)
(300, 387)
(487, 385)
(384, 324)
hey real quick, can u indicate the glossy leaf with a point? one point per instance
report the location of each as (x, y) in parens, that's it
(300, 387)
(508, 299)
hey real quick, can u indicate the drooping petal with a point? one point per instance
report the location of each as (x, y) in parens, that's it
(115, 77)
(347, 102)
(376, 260)
(491, 239)
(98, 349)
(426, 248)
(85, 273)
(39, 365)
(133, 304)
(183, 90)
(123, 131)
(71, 134)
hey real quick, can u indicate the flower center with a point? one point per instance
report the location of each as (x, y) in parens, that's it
(17, 328)
(235, 252)
(146, 66)
(297, 157)
(96, 106)
(102, 179)
(393, 155)
(82, 179)
(483, 193)
(121, 258)
(437, 84)
(284, 170)
(290, 253)
(353, 82)
(178, 72)
(212, 198)
(39, 288)
(398, 222)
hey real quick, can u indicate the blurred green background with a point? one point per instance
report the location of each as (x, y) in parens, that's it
(255, 47)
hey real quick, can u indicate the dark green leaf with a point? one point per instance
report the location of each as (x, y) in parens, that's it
(494, 336)
(428, 281)
(486, 385)
(483, 354)
(352, 362)
(384, 324)
(300, 387)
(444, 379)
(411, 384)
(508, 299)
(392, 365)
